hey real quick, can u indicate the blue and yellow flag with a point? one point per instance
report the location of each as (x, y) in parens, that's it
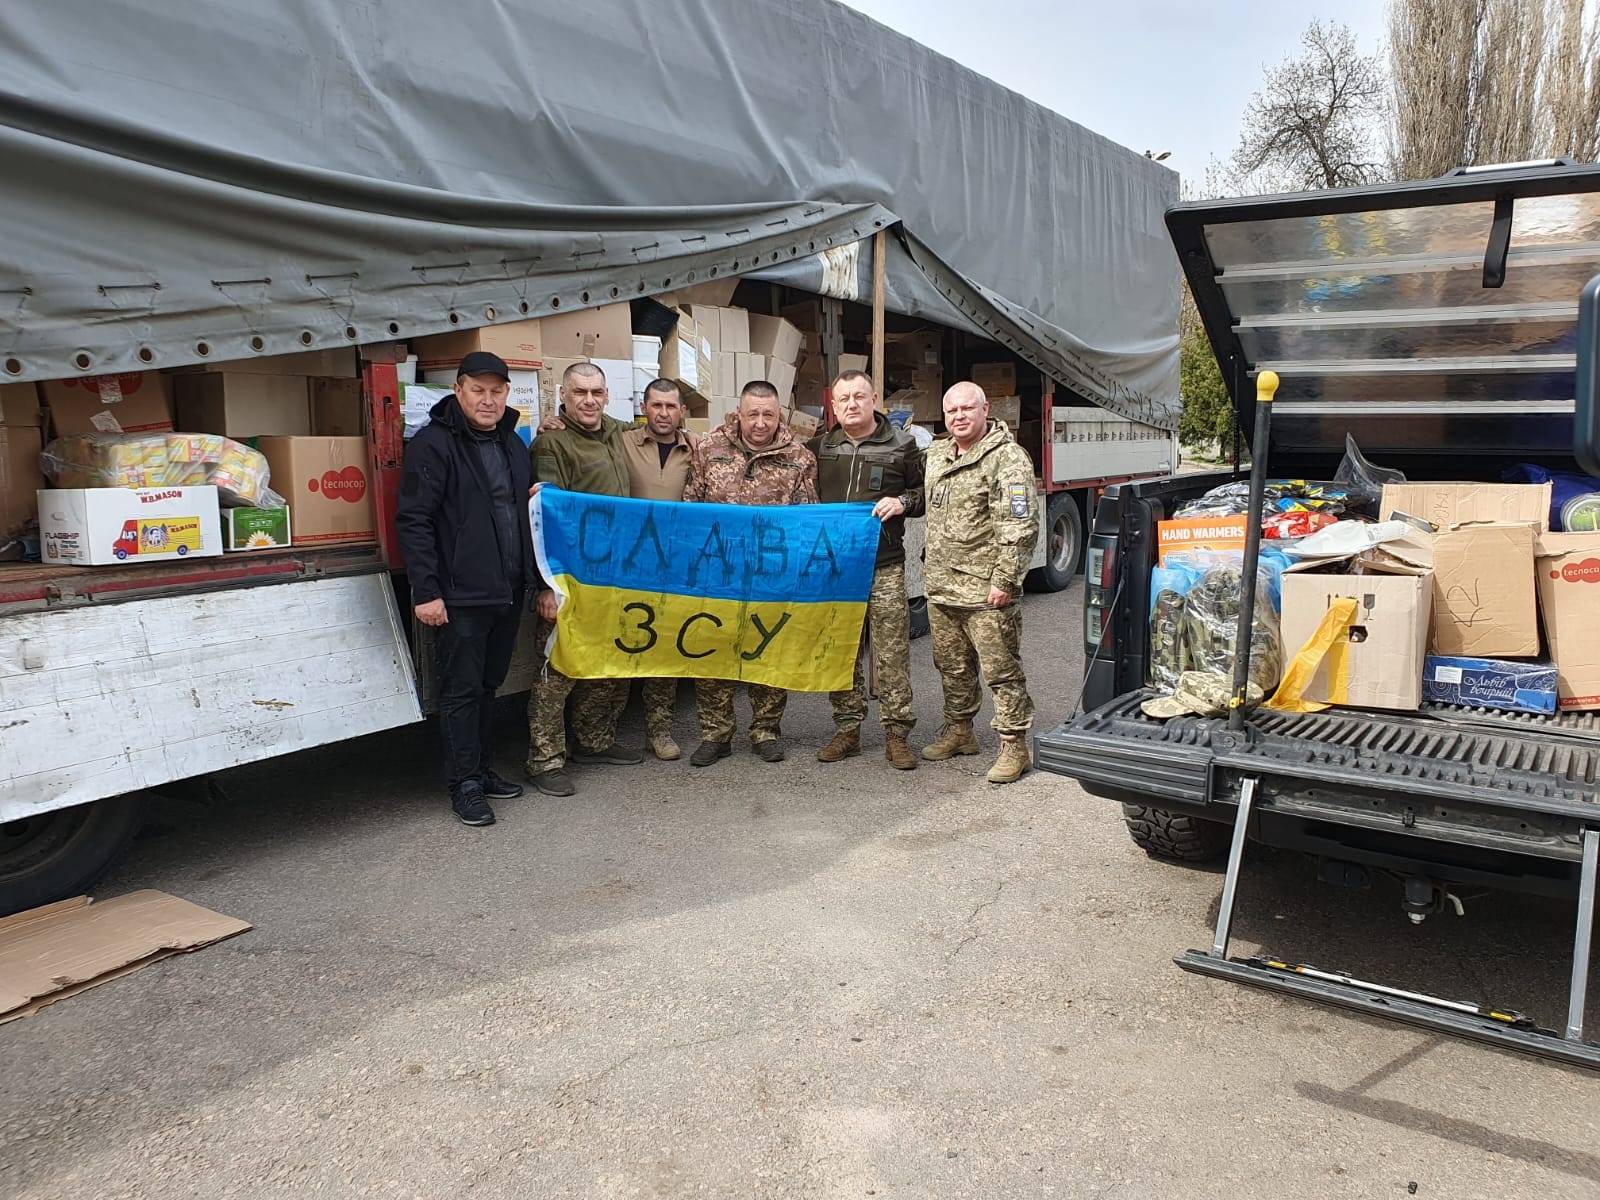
(711, 591)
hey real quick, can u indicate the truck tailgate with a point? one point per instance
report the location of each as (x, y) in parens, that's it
(1464, 775)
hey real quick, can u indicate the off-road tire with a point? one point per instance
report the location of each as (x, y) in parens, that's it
(1175, 837)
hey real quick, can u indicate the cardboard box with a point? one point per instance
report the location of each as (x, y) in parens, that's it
(805, 316)
(854, 362)
(996, 379)
(133, 402)
(337, 409)
(326, 482)
(20, 405)
(917, 351)
(748, 368)
(340, 362)
(520, 343)
(604, 332)
(699, 425)
(726, 382)
(1569, 598)
(1483, 591)
(781, 376)
(1490, 683)
(804, 424)
(20, 478)
(254, 529)
(1447, 504)
(1007, 409)
(686, 358)
(243, 405)
(104, 526)
(734, 330)
(1381, 658)
(774, 338)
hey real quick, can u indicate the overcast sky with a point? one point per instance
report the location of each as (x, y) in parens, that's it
(1152, 74)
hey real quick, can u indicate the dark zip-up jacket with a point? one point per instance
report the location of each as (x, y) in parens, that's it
(885, 463)
(445, 520)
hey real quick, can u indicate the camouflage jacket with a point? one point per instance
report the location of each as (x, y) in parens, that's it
(983, 518)
(726, 471)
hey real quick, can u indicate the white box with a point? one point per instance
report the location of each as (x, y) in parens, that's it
(100, 526)
(646, 350)
(619, 386)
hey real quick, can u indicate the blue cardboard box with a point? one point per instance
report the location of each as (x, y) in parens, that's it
(1490, 683)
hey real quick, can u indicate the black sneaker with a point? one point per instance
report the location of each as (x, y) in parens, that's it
(553, 783)
(616, 754)
(770, 750)
(707, 753)
(470, 806)
(498, 787)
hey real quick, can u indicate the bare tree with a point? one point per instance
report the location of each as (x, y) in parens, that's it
(1312, 123)
(1484, 81)
(1433, 60)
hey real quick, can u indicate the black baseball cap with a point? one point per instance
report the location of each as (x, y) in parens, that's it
(481, 362)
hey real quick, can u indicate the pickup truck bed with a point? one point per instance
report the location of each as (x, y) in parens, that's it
(1363, 785)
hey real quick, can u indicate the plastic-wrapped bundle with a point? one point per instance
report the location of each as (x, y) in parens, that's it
(144, 460)
(1169, 587)
(1211, 625)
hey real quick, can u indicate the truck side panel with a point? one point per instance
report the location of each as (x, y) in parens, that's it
(104, 700)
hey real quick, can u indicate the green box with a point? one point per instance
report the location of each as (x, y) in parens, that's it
(255, 529)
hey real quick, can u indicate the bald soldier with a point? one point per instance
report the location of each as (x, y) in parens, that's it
(982, 524)
(751, 459)
(584, 454)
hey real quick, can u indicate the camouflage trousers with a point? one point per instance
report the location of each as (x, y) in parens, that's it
(714, 707)
(660, 698)
(888, 633)
(596, 705)
(967, 640)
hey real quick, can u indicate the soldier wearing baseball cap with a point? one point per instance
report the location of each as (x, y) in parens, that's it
(463, 528)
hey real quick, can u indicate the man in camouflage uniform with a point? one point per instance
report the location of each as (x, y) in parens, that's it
(983, 521)
(867, 459)
(658, 455)
(752, 459)
(584, 455)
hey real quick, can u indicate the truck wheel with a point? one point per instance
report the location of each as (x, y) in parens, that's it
(1063, 551)
(1175, 837)
(63, 853)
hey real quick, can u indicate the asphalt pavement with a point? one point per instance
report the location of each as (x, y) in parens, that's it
(768, 980)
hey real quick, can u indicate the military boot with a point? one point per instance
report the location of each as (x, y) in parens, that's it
(955, 738)
(664, 747)
(1013, 760)
(898, 753)
(846, 743)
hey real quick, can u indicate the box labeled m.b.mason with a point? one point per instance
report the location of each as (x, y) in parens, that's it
(104, 526)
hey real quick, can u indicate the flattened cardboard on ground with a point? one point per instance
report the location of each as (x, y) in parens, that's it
(50, 953)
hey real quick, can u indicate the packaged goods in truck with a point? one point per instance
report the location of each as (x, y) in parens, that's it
(326, 483)
(131, 402)
(105, 526)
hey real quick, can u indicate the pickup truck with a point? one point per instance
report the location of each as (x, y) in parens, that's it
(1440, 323)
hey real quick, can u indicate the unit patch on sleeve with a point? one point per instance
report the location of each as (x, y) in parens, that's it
(1017, 493)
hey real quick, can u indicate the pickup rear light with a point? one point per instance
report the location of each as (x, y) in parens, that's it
(1100, 578)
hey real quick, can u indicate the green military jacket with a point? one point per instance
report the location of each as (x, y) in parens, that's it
(576, 459)
(983, 518)
(885, 463)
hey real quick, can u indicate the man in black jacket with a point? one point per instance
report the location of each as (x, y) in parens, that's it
(463, 528)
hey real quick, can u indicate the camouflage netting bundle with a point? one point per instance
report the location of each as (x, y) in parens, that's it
(1211, 626)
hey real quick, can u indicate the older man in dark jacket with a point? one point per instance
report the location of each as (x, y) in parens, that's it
(463, 528)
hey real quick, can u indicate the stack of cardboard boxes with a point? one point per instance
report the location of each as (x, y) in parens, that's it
(1451, 612)
(714, 350)
(20, 442)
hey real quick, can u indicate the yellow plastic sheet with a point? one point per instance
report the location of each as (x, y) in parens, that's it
(1331, 641)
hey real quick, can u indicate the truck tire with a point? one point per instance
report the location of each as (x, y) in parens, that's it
(63, 853)
(1063, 551)
(1174, 836)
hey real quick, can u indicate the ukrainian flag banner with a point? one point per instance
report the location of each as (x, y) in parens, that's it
(772, 595)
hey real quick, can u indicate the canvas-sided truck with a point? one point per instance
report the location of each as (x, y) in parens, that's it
(1453, 327)
(319, 199)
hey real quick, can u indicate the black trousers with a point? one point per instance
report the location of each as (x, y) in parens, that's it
(474, 654)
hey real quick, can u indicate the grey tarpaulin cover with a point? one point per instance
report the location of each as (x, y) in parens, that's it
(258, 176)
